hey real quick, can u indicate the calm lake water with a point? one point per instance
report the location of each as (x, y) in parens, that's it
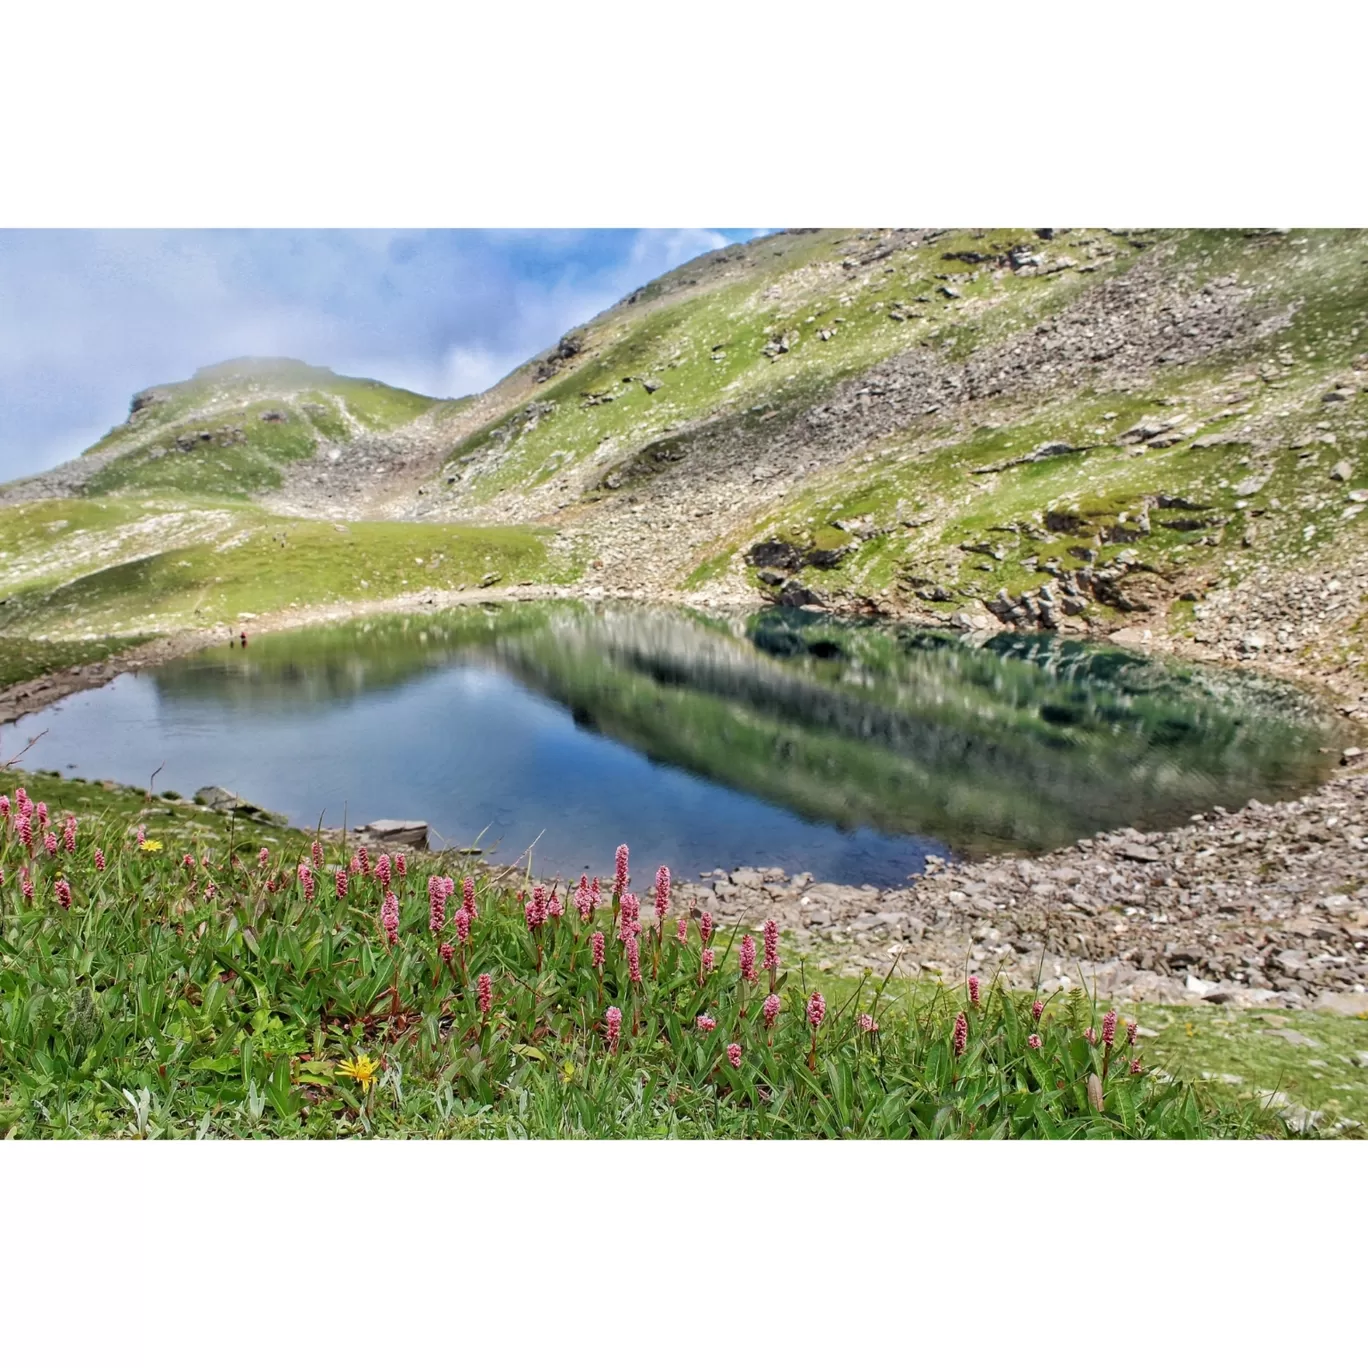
(848, 749)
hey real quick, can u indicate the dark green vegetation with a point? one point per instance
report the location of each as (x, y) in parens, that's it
(237, 996)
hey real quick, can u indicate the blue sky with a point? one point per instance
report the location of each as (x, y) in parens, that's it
(89, 317)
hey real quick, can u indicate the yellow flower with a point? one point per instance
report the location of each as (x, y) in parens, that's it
(363, 1069)
(150, 845)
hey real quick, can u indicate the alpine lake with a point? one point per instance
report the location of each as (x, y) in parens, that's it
(553, 731)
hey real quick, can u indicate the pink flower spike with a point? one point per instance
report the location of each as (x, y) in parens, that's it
(1135, 1066)
(447, 951)
(49, 843)
(633, 959)
(770, 1010)
(662, 894)
(42, 812)
(734, 1055)
(316, 854)
(355, 865)
(1090, 1035)
(973, 990)
(1109, 1029)
(705, 926)
(708, 961)
(1132, 1029)
(26, 884)
(554, 908)
(816, 1010)
(484, 993)
(436, 905)
(1033, 1041)
(4, 806)
(306, 880)
(1037, 1007)
(620, 872)
(747, 959)
(210, 891)
(584, 901)
(389, 918)
(400, 865)
(263, 858)
(960, 1037)
(596, 942)
(612, 1019)
(340, 881)
(383, 871)
(770, 930)
(705, 1024)
(62, 889)
(363, 861)
(462, 923)
(24, 829)
(630, 916)
(867, 1024)
(682, 930)
(69, 835)
(99, 860)
(535, 912)
(468, 898)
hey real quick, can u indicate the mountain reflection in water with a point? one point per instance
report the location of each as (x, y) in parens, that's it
(850, 749)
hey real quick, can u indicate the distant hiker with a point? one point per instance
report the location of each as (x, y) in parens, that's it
(244, 640)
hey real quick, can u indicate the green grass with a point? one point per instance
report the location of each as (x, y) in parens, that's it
(231, 999)
(22, 658)
(275, 563)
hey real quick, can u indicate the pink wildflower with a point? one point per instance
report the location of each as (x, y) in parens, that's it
(747, 958)
(484, 993)
(1135, 1066)
(204, 861)
(554, 908)
(734, 1055)
(26, 883)
(4, 806)
(630, 916)
(596, 942)
(62, 890)
(141, 835)
(705, 1024)
(536, 911)
(99, 860)
(1037, 1007)
(23, 802)
(400, 865)
(705, 926)
(42, 816)
(771, 1010)
(1109, 1029)
(355, 865)
(1090, 1035)
(69, 835)
(973, 990)
(306, 880)
(682, 930)
(462, 924)
(447, 951)
(50, 842)
(450, 886)
(613, 1020)
(584, 900)
(662, 895)
(708, 961)
(340, 880)
(771, 934)
(1132, 1030)
(960, 1037)
(867, 1024)
(210, 891)
(363, 860)
(389, 918)
(383, 872)
(620, 872)
(316, 851)
(1033, 1041)
(436, 905)
(468, 899)
(24, 829)
(188, 861)
(816, 1010)
(633, 959)
(263, 858)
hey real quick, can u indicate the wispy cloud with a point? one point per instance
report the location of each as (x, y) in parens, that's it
(87, 318)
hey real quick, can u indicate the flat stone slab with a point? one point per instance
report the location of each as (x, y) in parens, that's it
(411, 832)
(218, 799)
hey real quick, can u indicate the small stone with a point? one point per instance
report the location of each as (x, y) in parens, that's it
(1342, 471)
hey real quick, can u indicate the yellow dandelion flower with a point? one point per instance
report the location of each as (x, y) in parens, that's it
(363, 1069)
(150, 845)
